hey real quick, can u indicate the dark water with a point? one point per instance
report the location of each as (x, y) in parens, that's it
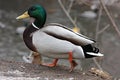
(13, 48)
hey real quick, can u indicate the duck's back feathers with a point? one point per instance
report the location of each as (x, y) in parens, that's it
(62, 32)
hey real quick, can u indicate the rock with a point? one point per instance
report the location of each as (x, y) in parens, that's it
(89, 14)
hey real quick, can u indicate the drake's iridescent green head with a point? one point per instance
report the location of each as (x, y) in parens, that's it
(37, 12)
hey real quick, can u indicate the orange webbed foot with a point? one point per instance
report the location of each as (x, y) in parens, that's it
(73, 65)
(52, 64)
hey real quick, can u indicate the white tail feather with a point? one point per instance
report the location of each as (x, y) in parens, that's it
(95, 54)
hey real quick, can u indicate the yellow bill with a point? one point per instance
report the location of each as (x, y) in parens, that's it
(24, 15)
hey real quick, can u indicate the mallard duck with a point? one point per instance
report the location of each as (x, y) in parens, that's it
(55, 40)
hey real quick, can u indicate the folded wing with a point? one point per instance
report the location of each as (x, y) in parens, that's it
(61, 32)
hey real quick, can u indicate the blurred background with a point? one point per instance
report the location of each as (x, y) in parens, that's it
(83, 14)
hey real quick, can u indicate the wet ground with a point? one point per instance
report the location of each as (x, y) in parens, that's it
(10, 70)
(12, 47)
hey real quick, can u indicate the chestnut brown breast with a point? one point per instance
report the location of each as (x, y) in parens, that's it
(27, 37)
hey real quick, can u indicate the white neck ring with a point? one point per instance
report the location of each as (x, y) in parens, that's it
(34, 26)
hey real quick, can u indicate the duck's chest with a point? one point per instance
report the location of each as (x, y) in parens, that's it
(27, 37)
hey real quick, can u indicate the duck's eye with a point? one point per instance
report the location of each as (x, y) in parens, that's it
(33, 8)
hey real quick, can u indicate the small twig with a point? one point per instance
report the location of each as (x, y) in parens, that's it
(67, 14)
(83, 2)
(98, 23)
(70, 5)
(96, 36)
(102, 30)
(110, 18)
(97, 64)
(75, 19)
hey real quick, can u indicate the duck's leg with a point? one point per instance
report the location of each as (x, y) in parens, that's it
(72, 62)
(52, 64)
(37, 59)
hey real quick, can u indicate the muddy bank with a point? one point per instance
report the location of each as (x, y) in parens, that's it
(23, 71)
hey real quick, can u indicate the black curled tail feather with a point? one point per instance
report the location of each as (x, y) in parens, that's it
(95, 50)
(90, 48)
